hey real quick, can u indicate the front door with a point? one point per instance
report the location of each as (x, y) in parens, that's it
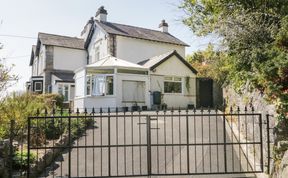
(206, 92)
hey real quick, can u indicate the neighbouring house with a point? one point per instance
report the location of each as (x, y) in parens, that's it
(115, 65)
(53, 61)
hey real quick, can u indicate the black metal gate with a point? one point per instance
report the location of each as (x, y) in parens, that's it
(147, 143)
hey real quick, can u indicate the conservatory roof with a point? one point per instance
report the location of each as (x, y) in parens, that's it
(111, 61)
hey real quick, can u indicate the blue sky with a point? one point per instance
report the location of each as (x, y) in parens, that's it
(67, 17)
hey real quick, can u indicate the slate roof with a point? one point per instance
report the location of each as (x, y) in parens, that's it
(62, 41)
(64, 76)
(111, 61)
(154, 62)
(140, 33)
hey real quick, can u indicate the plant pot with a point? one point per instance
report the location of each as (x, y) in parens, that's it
(190, 106)
(125, 109)
(144, 108)
(135, 108)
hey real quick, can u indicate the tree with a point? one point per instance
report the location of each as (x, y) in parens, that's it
(254, 35)
(209, 63)
(5, 75)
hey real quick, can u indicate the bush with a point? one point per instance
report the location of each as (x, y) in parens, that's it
(54, 128)
(20, 160)
(19, 106)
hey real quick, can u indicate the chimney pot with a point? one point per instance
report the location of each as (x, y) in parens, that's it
(101, 14)
(163, 26)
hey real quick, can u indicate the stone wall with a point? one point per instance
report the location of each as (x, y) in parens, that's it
(282, 171)
(255, 99)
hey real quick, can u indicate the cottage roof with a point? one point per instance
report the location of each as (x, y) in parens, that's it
(139, 32)
(155, 61)
(111, 61)
(62, 41)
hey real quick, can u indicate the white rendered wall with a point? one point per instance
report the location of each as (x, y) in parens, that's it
(35, 67)
(38, 65)
(80, 83)
(42, 60)
(136, 50)
(174, 67)
(68, 59)
(98, 38)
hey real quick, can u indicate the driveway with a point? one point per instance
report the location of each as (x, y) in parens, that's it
(168, 154)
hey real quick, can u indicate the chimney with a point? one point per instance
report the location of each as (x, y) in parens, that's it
(101, 14)
(163, 26)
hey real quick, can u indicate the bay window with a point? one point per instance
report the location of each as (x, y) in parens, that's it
(99, 85)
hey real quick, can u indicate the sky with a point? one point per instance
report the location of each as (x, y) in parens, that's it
(21, 20)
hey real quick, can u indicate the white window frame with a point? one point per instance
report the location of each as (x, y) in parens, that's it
(63, 90)
(35, 86)
(105, 84)
(173, 79)
(90, 87)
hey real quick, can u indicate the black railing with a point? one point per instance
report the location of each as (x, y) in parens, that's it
(144, 143)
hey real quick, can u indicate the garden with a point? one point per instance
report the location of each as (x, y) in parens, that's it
(15, 110)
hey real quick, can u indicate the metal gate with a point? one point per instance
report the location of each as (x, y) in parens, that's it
(145, 143)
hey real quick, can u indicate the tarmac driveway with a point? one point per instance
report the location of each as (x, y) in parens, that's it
(169, 152)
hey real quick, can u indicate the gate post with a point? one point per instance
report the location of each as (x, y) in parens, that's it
(149, 172)
(261, 142)
(268, 142)
(224, 135)
(69, 144)
(12, 123)
(109, 142)
(28, 147)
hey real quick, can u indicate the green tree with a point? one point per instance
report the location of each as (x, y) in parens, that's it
(209, 63)
(254, 36)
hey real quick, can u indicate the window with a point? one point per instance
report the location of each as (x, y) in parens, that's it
(99, 85)
(88, 85)
(37, 86)
(172, 85)
(109, 85)
(63, 89)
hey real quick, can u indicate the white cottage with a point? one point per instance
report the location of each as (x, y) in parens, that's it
(114, 65)
(127, 66)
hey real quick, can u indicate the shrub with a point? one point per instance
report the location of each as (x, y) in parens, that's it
(20, 159)
(19, 106)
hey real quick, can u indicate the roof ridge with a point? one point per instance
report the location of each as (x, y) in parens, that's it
(153, 35)
(59, 35)
(137, 27)
(164, 54)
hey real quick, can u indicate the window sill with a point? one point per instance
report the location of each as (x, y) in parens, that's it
(173, 94)
(105, 96)
(99, 96)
